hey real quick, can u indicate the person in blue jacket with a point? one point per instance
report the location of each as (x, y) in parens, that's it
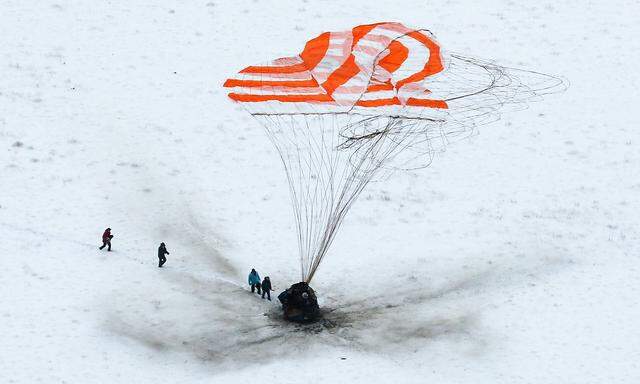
(254, 281)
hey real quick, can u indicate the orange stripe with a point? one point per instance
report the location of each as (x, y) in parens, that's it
(315, 50)
(433, 66)
(267, 69)
(258, 83)
(411, 102)
(398, 54)
(346, 71)
(441, 104)
(284, 98)
(380, 87)
(361, 31)
(378, 102)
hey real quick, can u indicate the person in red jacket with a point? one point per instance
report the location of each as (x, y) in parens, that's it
(106, 239)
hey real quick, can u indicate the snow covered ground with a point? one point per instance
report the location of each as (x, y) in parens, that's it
(514, 258)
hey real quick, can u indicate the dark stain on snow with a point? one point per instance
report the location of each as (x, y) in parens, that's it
(220, 322)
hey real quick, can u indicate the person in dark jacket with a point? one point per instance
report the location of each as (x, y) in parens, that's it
(266, 287)
(162, 250)
(254, 280)
(106, 239)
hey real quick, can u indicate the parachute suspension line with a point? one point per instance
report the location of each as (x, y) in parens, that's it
(329, 160)
(364, 163)
(346, 186)
(274, 128)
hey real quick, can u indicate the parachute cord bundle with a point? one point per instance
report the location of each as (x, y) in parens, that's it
(323, 182)
(327, 170)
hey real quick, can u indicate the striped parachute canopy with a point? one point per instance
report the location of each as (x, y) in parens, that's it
(383, 65)
(353, 103)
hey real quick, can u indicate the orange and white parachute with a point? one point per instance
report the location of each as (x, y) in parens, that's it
(380, 96)
(371, 66)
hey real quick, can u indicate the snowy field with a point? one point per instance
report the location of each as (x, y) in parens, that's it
(513, 258)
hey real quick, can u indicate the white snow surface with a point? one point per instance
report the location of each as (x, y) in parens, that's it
(513, 258)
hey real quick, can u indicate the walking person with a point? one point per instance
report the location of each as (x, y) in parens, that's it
(254, 280)
(162, 250)
(106, 239)
(266, 287)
